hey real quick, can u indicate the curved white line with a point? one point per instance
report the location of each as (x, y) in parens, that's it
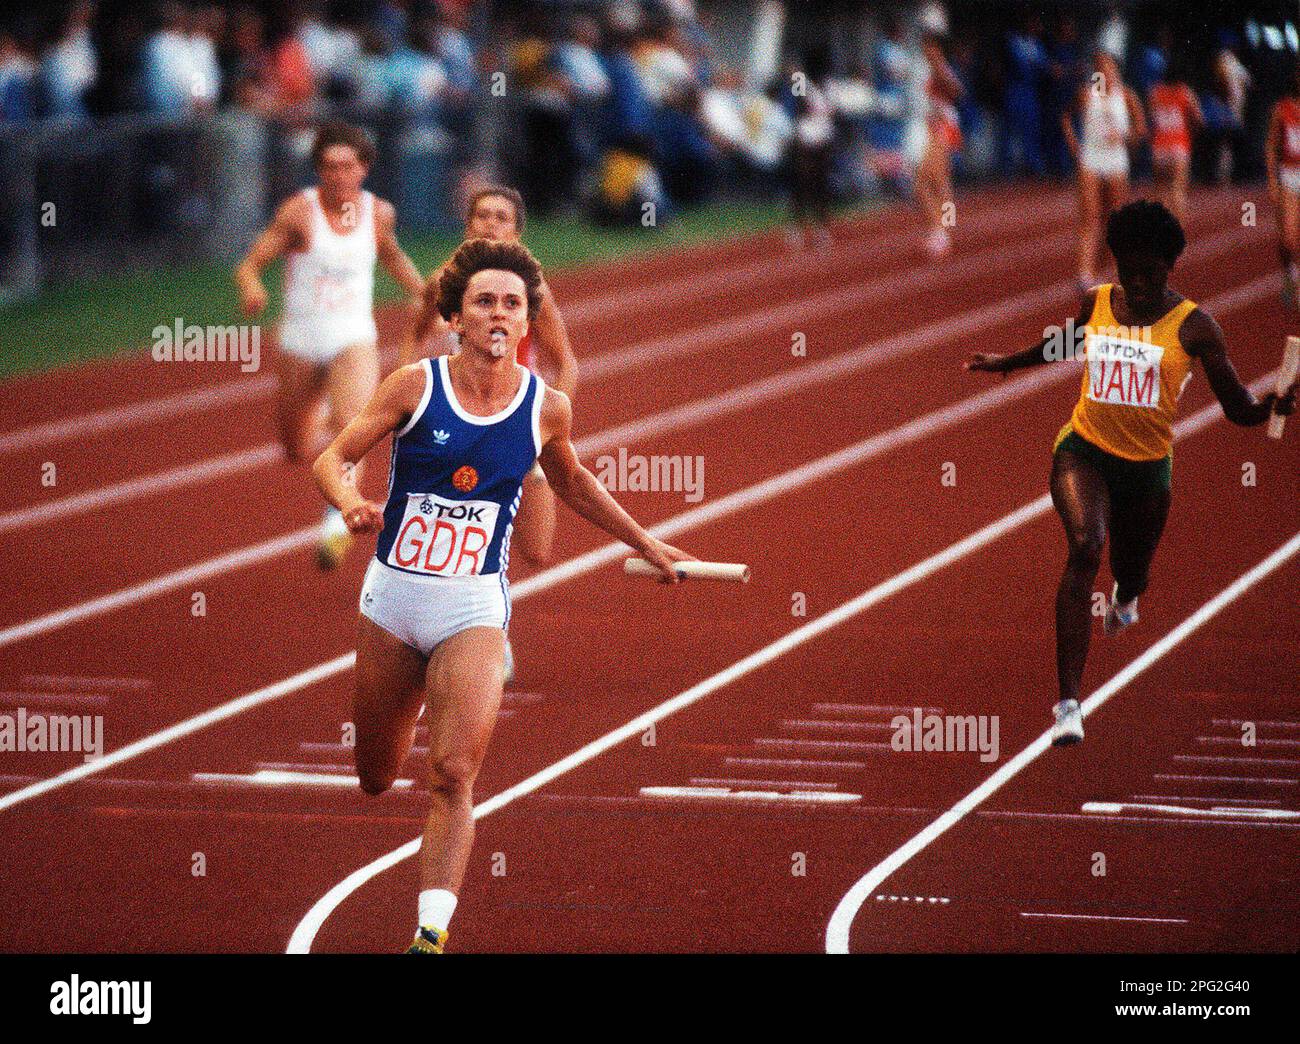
(837, 930)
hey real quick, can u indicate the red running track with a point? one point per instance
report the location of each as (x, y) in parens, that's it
(614, 853)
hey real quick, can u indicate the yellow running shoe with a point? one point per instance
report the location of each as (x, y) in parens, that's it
(428, 940)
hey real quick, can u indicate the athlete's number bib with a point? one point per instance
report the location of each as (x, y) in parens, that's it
(444, 537)
(334, 291)
(1123, 371)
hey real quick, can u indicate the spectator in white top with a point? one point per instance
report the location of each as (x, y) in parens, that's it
(180, 72)
(70, 66)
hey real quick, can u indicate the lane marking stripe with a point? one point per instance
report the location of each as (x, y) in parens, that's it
(1110, 808)
(841, 921)
(305, 932)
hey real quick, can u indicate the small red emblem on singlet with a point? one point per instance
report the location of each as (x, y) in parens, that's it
(465, 478)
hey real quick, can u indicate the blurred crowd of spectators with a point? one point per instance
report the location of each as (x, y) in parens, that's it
(616, 104)
(86, 59)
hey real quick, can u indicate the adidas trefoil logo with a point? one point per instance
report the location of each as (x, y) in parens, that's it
(441, 437)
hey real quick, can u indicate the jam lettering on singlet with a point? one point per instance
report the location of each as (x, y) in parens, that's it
(1124, 372)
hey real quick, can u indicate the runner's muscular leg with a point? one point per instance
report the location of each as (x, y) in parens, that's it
(1081, 498)
(1089, 209)
(350, 382)
(1113, 194)
(465, 677)
(297, 402)
(386, 704)
(1135, 527)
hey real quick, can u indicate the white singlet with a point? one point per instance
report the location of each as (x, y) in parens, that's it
(329, 288)
(1103, 149)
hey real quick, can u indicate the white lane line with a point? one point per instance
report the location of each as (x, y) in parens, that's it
(164, 408)
(699, 285)
(775, 486)
(1230, 779)
(699, 411)
(770, 784)
(803, 797)
(775, 321)
(82, 681)
(184, 728)
(1179, 798)
(1151, 820)
(308, 747)
(280, 778)
(58, 699)
(1114, 808)
(814, 745)
(795, 763)
(836, 726)
(1107, 917)
(577, 309)
(305, 932)
(172, 581)
(841, 921)
(1235, 741)
(708, 408)
(778, 485)
(868, 449)
(307, 766)
(1248, 721)
(1233, 759)
(150, 485)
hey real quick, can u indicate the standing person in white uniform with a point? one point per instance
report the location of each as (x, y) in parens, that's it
(1111, 121)
(327, 362)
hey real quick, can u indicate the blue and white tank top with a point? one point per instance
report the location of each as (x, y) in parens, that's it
(455, 480)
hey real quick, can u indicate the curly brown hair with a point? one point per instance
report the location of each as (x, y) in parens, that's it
(336, 132)
(505, 192)
(479, 255)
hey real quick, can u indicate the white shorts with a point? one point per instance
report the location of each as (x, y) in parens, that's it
(916, 139)
(1107, 162)
(424, 611)
(1289, 179)
(322, 343)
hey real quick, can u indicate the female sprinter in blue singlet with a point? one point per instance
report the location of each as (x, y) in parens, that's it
(435, 604)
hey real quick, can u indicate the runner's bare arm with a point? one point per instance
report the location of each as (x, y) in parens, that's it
(388, 409)
(284, 233)
(428, 323)
(1137, 117)
(552, 338)
(392, 256)
(1195, 115)
(1271, 151)
(992, 362)
(582, 491)
(1203, 339)
(1067, 123)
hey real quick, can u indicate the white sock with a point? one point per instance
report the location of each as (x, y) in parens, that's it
(436, 907)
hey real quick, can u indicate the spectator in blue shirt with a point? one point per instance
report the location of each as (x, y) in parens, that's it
(1022, 148)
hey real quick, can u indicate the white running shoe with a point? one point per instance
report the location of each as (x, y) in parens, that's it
(335, 539)
(1119, 616)
(1069, 723)
(938, 243)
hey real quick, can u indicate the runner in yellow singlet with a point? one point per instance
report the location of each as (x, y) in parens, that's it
(1112, 463)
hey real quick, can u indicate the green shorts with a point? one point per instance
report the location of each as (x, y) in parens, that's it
(1125, 479)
